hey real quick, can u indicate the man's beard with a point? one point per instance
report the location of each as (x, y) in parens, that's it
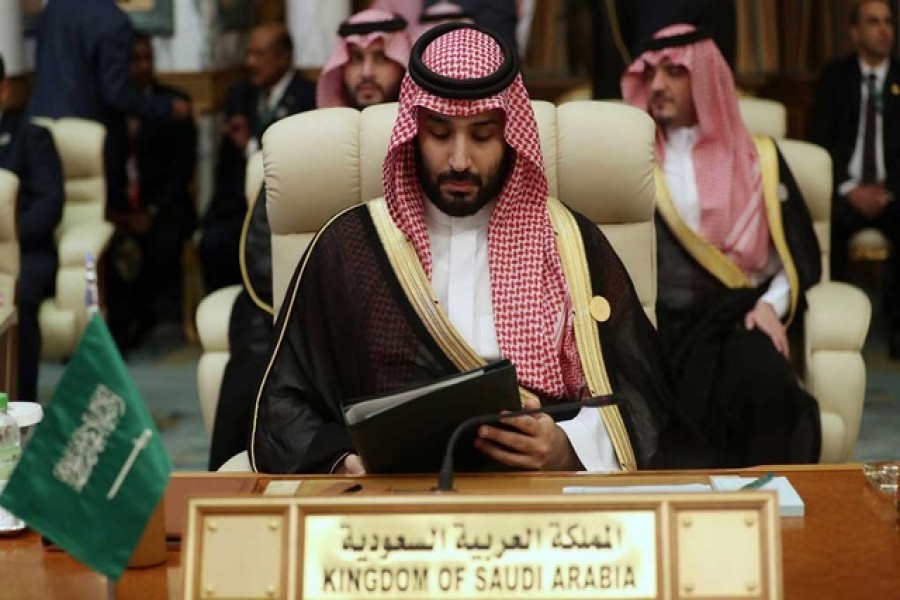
(489, 186)
(387, 95)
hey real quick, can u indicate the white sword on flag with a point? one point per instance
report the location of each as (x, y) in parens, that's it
(140, 443)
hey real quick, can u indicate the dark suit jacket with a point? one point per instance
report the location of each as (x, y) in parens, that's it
(228, 197)
(835, 121)
(28, 151)
(82, 70)
(166, 153)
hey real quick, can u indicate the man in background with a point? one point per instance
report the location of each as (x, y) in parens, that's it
(273, 91)
(730, 283)
(361, 72)
(28, 151)
(82, 69)
(857, 119)
(368, 62)
(152, 207)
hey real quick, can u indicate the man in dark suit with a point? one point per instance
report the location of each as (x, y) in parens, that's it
(274, 91)
(28, 151)
(83, 51)
(150, 204)
(81, 70)
(857, 119)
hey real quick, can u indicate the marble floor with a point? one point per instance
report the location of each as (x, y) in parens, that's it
(165, 367)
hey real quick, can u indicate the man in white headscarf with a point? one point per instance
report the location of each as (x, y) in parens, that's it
(368, 62)
(458, 265)
(736, 253)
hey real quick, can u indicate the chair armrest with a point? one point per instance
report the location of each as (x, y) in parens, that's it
(80, 239)
(213, 315)
(836, 323)
(8, 317)
(837, 317)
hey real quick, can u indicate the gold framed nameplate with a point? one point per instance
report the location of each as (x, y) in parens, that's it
(466, 547)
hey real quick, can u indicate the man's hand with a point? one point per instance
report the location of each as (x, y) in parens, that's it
(351, 466)
(763, 317)
(238, 129)
(538, 444)
(869, 199)
(181, 109)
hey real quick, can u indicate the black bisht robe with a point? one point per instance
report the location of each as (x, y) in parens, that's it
(744, 395)
(347, 330)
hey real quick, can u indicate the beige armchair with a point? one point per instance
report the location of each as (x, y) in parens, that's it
(308, 183)
(214, 314)
(82, 229)
(9, 274)
(836, 320)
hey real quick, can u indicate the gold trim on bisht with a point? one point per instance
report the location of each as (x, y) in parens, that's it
(589, 310)
(242, 261)
(284, 325)
(706, 254)
(768, 164)
(415, 283)
(711, 258)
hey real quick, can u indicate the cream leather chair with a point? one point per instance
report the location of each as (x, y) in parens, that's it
(307, 184)
(763, 117)
(82, 229)
(214, 314)
(9, 275)
(836, 320)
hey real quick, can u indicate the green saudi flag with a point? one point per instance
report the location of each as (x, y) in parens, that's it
(95, 469)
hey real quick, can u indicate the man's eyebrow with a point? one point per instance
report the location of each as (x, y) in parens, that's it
(437, 118)
(486, 121)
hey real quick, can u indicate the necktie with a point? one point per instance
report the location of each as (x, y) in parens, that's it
(869, 170)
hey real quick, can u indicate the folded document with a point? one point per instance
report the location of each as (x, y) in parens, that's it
(789, 502)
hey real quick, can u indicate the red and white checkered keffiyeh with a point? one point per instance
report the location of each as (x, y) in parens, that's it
(530, 298)
(330, 87)
(726, 164)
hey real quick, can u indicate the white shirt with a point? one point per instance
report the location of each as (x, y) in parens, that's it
(682, 183)
(854, 167)
(461, 280)
(276, 93)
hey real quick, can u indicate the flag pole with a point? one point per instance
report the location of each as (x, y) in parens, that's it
(110, 589)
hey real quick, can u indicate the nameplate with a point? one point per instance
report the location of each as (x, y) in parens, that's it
(469, 547)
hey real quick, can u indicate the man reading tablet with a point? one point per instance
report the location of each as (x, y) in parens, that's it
(456, 266)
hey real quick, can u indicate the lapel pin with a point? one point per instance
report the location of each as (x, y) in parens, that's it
(895, 89)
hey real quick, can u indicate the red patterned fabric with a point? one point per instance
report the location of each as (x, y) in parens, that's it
(330, 87)
(532, 310)
(726, 165)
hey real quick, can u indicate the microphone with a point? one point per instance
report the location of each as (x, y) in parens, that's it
(559, 412)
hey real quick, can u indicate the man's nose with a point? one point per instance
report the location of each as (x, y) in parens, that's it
(368, 67)
(459, 155)
(658, 80)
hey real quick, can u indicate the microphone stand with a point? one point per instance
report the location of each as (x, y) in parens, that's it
(446, 474)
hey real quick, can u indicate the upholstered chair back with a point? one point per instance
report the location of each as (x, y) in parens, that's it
(79, 143)
(9, 273)
(82, 229)
(9, 239)
(764, 117)
(321, 162)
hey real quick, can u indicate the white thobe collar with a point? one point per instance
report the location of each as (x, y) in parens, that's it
(680, 175)
(460, 274)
